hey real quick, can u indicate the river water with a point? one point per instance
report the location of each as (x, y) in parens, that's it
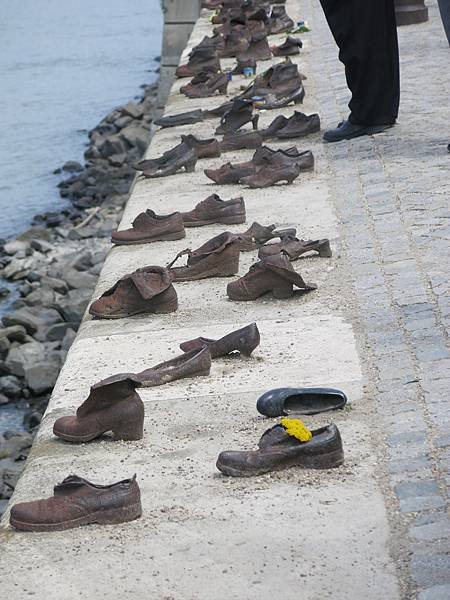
(63, 66)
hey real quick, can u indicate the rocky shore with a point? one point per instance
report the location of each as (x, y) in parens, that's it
(54, 267)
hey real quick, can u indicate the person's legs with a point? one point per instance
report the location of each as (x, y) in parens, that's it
(365, 32)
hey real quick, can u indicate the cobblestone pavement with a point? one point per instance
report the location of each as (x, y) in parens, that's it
(392, 196)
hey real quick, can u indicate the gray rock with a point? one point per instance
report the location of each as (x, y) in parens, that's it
(113, 144)
(42, 376)
(57, 332)
(4, 291)
(56, 284)
(15, 246)
(3, 399)
(4, 345)
(80, 279)
(133, 110)
(137, 136)
(21, 357)
(32, 318)
(35, 232)
(41, 245)
(123, 122)
(15, 333)
(10, 386)
(42, 296)
(117, 160)
(74, 304)
(72, 166)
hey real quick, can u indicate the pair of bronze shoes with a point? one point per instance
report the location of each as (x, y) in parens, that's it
(266, 168)
(150, 227)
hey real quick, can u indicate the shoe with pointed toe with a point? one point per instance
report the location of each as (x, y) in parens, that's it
(186, 118)
(269, 176)
(243, 340)
(147, 290)
(272, 274)
(228, 173)
(295, 248)
(300, 401)
(195, 363)
(112, 405)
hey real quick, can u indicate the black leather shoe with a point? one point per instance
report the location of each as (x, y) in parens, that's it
(348, 130)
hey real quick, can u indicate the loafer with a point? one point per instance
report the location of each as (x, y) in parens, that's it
(301, 401)
(346, 130)
(243, 340)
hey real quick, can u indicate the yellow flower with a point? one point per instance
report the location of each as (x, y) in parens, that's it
(297, 429)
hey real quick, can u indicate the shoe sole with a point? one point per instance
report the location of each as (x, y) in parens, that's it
(207, 274)
(367, 131)
(223, 221)
(101, 517)
(163, 238)
(330, 460)
(161, 311)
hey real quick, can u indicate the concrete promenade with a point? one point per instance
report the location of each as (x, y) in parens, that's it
(377, 527)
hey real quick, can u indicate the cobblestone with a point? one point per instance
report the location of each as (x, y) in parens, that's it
(391, 196)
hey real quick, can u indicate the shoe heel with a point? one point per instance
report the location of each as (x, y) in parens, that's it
(223, 88)
(129, 432)
(299, 98)
(190, 165)
(324, 250)
(283, 290)
(254, 122)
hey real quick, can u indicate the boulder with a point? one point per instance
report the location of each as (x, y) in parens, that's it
(15, 333)
(42, 376)
(15, 246)
(5, 344)
(10, 386)
(133, 110)
(80, 279)
(72, 166)
(136, 135)
(73, 305)
(113, 144)
(41, 246)
(56, 284)
(57, 332)
(32, 318)
(21, 357)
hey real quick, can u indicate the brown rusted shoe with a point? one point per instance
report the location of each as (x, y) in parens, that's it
(215, 210)
(204, 89)
(179, 157)
(195, 363)
(203, 58)
(218, 257)
(271, 274)
(289, 47)
(76, 502)
(229, 173)
(205, 148)
(112, 405)
(322, 451)
(243, 340)
(247, 140)
(279, 21)
(150, 227)
(257, 50)
(299, 125)
(146, 290)
(268, 176)
(257, 235)
(294, 248)
(235, 117)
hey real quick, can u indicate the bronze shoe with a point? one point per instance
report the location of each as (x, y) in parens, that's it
(194, 363)
(150, 227)
(257, 235)
(279, 21)
(179, 157)
(236, 116)
(112, 405)
(272, 274)
(280, 450)
(215, 210)
(217, 83)
(209, 148)
(76, 502)
(289, 47)
(203, 58)
(243, 340)
(294, 248)
(299, 125)
(218, 257)
(268, 176)
(146, 290)
(229, 173)
(247, 140)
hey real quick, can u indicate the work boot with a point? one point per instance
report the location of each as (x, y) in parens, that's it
(76, 502)
(244, 63)
(203, 58)
(291, 445)
(268, 176)
(112, 405)
(196, 363)
(272, 274)
(205, 148)
(280, 80)
(147, 290)
(215, 210)
(179, 157)
(205, 89)
(240, 140)
(186, 118)
(150, 227)
(257, 50)
(289, 47)
(279, 21)
(235, 44)
(243, 340)
(293, 248)
(218, 257)
(299, 125)
(257, 235)
(240, 113)
(216, 42)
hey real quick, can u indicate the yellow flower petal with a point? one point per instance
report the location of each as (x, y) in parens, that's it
(297, 429)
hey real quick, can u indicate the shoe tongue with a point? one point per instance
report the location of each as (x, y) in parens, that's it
(144, 219)
(69, 485)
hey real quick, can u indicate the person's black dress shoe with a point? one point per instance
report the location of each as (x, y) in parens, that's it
(348, 130)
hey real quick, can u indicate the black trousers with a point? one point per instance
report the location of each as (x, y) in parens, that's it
(366, 33)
